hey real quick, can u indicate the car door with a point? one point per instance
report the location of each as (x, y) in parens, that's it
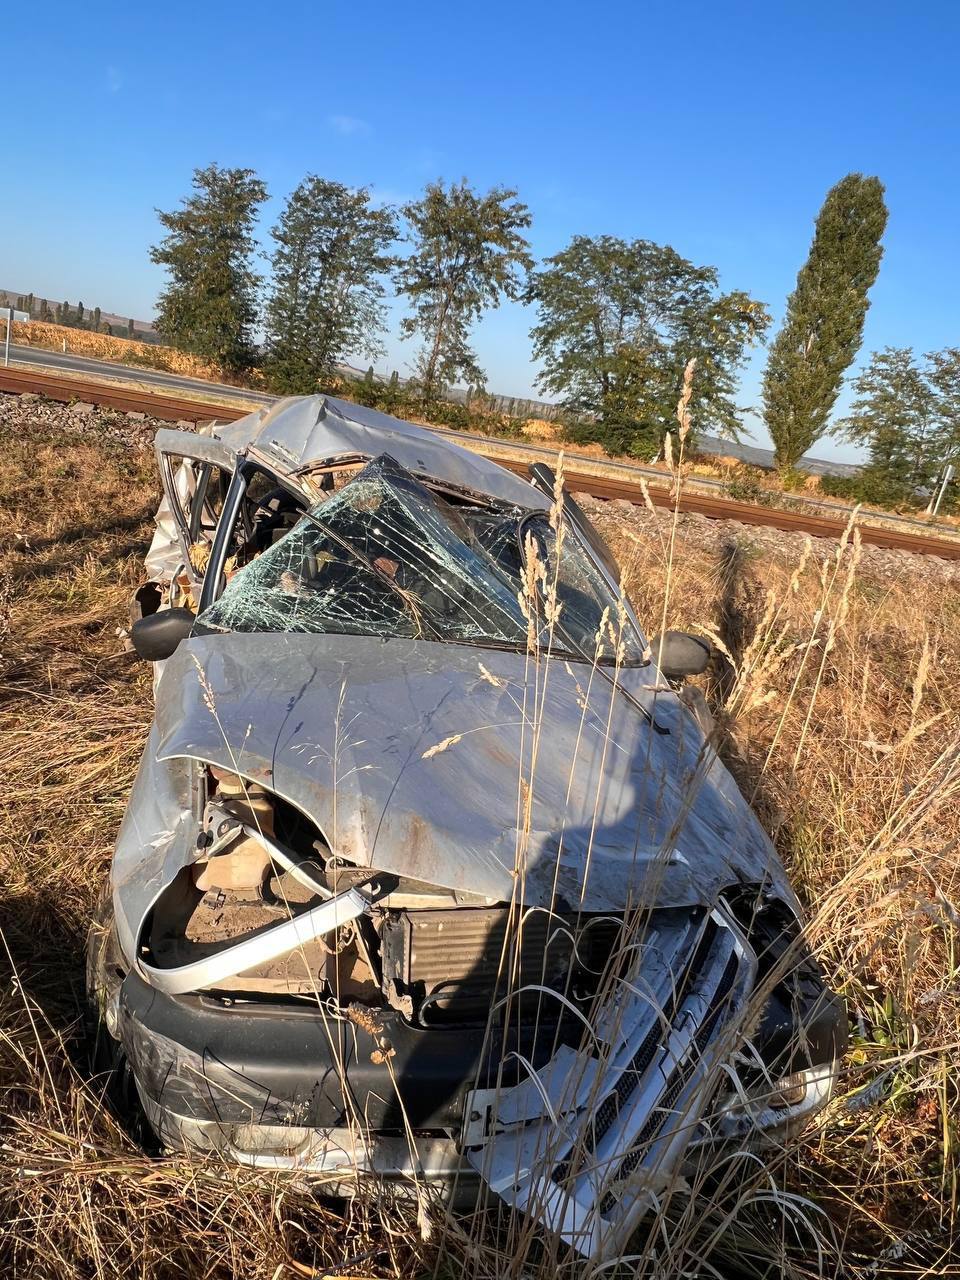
(196, 471)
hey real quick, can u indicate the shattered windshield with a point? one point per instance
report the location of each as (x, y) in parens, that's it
(386, 556)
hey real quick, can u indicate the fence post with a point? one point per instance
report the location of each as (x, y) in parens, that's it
(6, 345)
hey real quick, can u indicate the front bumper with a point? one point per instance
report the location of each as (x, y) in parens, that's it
(291, 1088)
(345, 1096)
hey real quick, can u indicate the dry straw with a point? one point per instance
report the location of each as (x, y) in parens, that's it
(836, 708)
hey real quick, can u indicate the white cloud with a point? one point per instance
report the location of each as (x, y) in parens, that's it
(114, 80)
(348, 126)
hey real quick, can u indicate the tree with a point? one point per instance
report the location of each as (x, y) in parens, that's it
(209, 305)
(467, 255)
(895, 414)
(823, 327)
(131, 332)
(44, 311)
(80, 314)
(66, 315)
(945, 379)
(617, 322)
(326, 300)
(96, 319)
(30, 301)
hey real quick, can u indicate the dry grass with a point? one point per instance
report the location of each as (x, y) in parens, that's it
(101, 346)
(839, 715)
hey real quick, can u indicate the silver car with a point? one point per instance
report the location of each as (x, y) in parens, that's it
(429, 872)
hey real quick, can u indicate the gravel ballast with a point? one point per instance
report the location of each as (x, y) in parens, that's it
(29, 414)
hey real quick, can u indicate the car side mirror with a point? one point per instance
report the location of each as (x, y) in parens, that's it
(156, 637)
(679, 654)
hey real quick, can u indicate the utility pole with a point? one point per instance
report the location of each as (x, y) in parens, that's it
(942, 481)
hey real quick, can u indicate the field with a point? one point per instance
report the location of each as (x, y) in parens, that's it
(102, 346)
(837, 710)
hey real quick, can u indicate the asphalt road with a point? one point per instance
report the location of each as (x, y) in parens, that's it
(129, 373)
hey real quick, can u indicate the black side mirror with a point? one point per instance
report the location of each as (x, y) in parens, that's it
(679, 654)
(157, 636)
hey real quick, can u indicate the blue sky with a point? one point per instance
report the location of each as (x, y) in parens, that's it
(715, 127)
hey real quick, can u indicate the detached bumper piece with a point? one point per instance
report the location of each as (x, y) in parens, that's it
(588, 1145)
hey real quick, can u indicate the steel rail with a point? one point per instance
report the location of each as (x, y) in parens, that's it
(578, 479)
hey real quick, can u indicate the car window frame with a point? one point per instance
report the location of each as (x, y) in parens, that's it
(214, 579)
(585, 543)
(205, 452)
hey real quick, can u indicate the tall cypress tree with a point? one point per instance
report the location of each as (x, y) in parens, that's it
(210, 304)
(823, 327)
(327, 296)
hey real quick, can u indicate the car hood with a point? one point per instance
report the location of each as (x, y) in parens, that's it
(478, 770)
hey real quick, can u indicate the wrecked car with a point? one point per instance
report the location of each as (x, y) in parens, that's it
(429, 872)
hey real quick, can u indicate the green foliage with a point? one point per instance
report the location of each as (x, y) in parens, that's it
(467, 255)
(96, 319)
(744, 487)
(410, 401)
(944, 374)
(897, 415)
(793, 480)
(209, 306)
(847, 487)
(326, 300)
(617, 323)
(823, 327)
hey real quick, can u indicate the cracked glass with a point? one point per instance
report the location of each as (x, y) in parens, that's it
(385, 556)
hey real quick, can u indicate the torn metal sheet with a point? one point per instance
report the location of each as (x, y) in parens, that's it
(304, 432)
(268, 945)
(347, 731)
(593, 1157)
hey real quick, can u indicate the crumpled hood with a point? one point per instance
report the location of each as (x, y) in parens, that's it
(467, 768)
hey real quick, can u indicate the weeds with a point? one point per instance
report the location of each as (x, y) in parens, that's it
(838, 714)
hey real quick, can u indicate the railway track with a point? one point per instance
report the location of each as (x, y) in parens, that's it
(579, 478)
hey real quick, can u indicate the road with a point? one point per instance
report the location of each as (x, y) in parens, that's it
(90, 367)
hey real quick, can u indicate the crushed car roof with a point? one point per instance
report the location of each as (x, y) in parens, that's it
(304, 432)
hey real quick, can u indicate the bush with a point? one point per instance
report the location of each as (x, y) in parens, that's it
(841, 487)
(746, 488)
(877, 488)
(617, 438)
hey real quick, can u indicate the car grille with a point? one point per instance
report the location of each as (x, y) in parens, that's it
(663, 1034)
(456, 964)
